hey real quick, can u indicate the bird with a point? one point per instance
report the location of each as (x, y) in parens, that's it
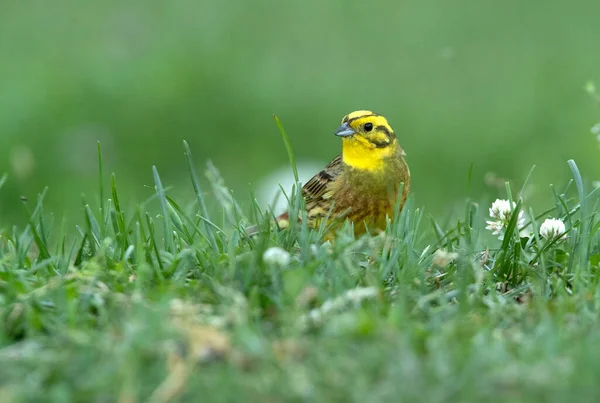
(362, 183)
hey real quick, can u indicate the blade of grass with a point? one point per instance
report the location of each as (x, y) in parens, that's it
(39, 241)
(119, 215)
(100, 179)
(175, 214)
(79, 257)
(184, 230)
(508, 236)
(3, 180)
(437, 230)
(522, 191)
(42, 227)
(508, 193)
(200, 196)
(288, 147)
(583, 232)
(93, 228)
(470, 175)
(160, 192)
(154, 247)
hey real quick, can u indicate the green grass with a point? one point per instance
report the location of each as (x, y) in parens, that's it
(171, 302)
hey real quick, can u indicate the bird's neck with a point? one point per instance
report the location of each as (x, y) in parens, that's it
(361, 154)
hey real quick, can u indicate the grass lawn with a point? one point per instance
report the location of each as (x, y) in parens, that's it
(182, 306)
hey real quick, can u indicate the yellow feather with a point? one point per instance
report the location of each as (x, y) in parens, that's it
(361, 154)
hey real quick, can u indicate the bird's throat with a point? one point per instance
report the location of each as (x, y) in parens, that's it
(361, 154)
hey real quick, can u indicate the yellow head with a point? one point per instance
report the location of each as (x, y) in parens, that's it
(368, 140)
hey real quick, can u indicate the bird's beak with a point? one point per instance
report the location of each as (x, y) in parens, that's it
(344, 130)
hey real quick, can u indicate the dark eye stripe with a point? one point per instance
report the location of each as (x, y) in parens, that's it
(389, 134)
(384, 129)
(381, 144)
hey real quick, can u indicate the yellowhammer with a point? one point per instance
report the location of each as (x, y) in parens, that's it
(362, 183)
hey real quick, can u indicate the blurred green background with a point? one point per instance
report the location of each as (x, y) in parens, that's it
(499, 85)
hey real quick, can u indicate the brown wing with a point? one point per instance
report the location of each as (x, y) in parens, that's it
(318, 185)
(316, 192)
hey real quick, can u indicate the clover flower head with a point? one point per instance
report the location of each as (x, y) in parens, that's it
(501, 209)
(553, 228)
(500, 212)
(277, 256)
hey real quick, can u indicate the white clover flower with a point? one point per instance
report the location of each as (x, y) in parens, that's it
(495, 226)
(595, 129)
(501, 212)
(501, 209)
(277, 256)
(553, 228)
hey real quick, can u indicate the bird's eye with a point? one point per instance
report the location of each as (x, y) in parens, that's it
(368, 127)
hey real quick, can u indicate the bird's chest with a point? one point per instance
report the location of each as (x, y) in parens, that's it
(367, 196)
